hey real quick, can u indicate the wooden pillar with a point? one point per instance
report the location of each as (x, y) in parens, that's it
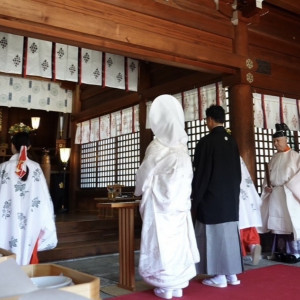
(75, 153)
(241, 103)
(242, 123)
(146, 135)
(46, 166)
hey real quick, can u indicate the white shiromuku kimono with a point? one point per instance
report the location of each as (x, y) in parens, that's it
(168, 251)
(250, 201)
(281, 208)
(26, 211)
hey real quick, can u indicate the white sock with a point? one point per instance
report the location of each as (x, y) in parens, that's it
(231, 277)
(252, 247)
(219, 279)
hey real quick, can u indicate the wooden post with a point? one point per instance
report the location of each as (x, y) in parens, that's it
(46, 166)
(242, 123)
(241, 104)
(74, 165)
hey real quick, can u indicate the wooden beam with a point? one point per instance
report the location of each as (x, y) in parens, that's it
(289, 5)
(178, 85)
(105, 107)
(106, 27)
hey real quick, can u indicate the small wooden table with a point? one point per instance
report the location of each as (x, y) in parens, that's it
(126, 238)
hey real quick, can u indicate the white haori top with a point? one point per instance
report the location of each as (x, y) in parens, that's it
(26, 211)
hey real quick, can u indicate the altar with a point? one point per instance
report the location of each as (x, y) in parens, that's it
(126, 213)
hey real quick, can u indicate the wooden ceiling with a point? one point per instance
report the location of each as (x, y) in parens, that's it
(291, 6)
(172, 79)
(181, 43)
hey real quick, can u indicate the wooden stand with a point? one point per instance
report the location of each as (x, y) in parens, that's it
(126, 240)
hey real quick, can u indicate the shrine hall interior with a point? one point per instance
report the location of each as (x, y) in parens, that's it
(242, 54)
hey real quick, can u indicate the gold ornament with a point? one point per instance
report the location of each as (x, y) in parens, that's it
(249, 77)
(249, 63)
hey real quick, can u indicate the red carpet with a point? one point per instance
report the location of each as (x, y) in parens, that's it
(269, 283)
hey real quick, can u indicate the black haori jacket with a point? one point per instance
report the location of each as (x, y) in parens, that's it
(217, 178)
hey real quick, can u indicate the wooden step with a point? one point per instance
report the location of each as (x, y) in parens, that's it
(76, 250)
(85, 237)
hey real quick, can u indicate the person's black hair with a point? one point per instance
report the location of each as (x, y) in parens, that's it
(216, 112)
(18, 140)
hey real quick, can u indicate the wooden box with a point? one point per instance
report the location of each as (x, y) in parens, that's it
(6, 255)
(84, 284)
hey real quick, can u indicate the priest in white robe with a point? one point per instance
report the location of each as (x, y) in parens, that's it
(168, 251)
(281, 198)
(26, 209)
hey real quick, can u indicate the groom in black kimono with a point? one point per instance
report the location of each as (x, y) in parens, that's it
(215, 202)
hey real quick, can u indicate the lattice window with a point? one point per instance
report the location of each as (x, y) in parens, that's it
(128, 159)
(110, 161)
(88, 165)
(106, 162)
(195, 130)
(264, 150)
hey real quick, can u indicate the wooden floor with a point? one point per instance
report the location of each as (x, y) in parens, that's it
(83, 235)
(68, 217)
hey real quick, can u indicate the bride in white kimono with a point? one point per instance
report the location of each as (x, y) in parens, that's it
(26, 209)
(168, 251)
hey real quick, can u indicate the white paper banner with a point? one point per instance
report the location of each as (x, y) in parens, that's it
(78, 134)
(127, 120)
(39, 58)
(208, 98)
(11, 53)
(114, 71)
(136, 121)
(132, 73)
(91, 67)
(66, 62)
(272, 111)
(85, 132)
(258, 111)
(190, 102)
(105, 127)
(34, 94)
(95, 130)
(115, 123)
(290, 113)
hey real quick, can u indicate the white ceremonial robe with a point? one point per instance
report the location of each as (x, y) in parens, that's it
(250, 201)
(168, 251)
(26, 211)
(281, 208)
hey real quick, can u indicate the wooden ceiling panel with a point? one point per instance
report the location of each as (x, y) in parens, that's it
(292, 6)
